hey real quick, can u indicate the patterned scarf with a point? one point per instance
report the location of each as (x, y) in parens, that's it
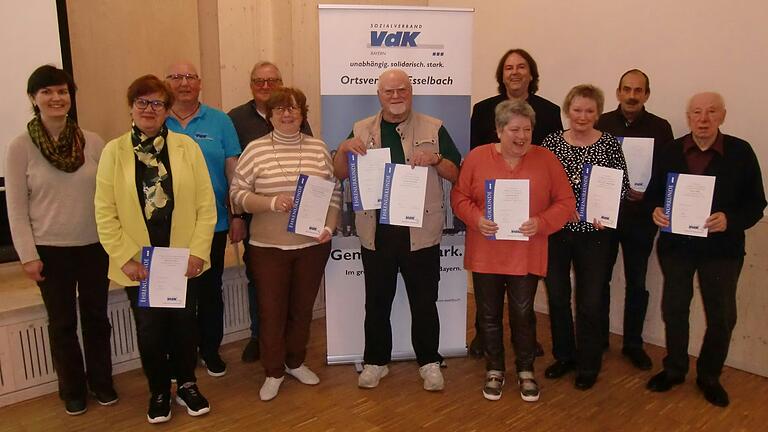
(147, 150)
(65, 153)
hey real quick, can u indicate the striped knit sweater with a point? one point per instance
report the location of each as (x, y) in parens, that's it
(270, 166)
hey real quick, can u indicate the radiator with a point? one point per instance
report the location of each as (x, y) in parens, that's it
(26, 366)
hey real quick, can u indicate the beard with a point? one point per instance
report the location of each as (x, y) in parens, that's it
(397, 108)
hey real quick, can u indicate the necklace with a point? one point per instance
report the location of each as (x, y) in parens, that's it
(182, 118)
(287, 174)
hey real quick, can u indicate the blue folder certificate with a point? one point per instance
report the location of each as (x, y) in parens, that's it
(688, 203)
(310, 205)
(366, 177)
(507, 203)
(638, 152)
(166, 285)
(600, 195)
(403, 194)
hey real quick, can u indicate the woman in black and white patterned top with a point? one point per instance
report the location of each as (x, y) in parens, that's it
(585, 244)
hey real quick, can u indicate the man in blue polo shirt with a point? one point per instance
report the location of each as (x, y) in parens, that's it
(214, 133)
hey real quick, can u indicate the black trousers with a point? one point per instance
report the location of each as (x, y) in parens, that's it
(421, 274)
(636, 239)
(589, 253)
(210, 304)
(77, 274)
(479, 333)
(167, 341)
(718, 278)
(521, 291)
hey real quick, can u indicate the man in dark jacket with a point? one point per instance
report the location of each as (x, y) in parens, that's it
(636, 230)
(738, 203)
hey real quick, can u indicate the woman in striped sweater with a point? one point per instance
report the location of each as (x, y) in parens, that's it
(287, 267)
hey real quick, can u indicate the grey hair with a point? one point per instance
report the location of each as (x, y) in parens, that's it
(395, 71)
(263, 63)
(718, 98)
(513, 107)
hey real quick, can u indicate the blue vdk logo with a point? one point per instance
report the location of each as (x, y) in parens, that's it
(396, 39)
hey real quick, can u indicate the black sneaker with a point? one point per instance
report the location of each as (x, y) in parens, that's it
(75, 406)
(189, 396)
(215, 365)
(251, 351)
(159, 408)
(105, 397)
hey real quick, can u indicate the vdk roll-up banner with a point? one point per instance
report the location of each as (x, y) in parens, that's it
(434, 46)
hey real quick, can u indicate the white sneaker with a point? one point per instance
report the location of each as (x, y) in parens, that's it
(371, 375)
(433, 378)
(270, 388)
(303, 374)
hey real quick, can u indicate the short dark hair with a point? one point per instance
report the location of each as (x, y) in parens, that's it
(284, 96)
(46, 76)
(647, 80)
(149, 84)
(533, 87)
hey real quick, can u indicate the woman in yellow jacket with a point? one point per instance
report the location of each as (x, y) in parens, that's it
(153, 189)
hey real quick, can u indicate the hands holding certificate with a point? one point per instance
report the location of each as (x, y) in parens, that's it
(194, 266)
(488, 228)
(354, 145)
(137, 272)
(284, 204)
(716, 222)
(422, 158)
(575, 217)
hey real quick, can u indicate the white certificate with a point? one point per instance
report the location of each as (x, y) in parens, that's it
(310, 205)
(638, 152)
(166, 283)
(507, 203)
(688, 203)
(403, 194)
(366, 177)
(600, 195)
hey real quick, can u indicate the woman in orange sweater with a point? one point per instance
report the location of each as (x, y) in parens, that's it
(509, 266)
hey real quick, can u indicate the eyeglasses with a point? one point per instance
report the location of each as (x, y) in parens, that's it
(285, 109)
(400, 91)
(177, 78)
(270, 82)
(142, 104)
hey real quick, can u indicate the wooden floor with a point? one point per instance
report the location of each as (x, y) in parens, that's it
(618, 402)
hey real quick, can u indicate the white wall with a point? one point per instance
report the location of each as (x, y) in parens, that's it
(684, 46)
(30, 35)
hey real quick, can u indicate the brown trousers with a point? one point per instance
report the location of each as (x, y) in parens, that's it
(287, 282)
